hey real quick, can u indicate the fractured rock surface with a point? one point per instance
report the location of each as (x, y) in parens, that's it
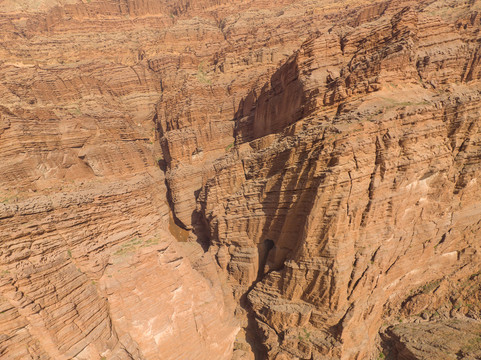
(461, 340)
(304, 171)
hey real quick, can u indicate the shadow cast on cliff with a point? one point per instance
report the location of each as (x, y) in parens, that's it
(291, 196)
(280, 103)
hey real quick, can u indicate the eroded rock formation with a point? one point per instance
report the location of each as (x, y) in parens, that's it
(217, 180)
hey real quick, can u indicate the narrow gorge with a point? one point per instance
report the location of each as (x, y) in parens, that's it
(240, 180)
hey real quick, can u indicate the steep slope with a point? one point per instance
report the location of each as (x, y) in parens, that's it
(174, 171)
(88, 267)
(353, 181)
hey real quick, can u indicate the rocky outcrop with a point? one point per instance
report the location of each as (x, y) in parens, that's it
(325, 155)
(366, 186)
(88, 266)
(461, 340)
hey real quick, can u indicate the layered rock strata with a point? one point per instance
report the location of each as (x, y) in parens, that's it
(353, 180)
(88, 266)
(325, 154)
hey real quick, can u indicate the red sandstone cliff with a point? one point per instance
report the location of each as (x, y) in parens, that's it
(213, 179)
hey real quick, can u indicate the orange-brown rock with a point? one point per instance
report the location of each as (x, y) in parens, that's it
(317, 160)
(461, 339)
(362, 187)
(88, 268)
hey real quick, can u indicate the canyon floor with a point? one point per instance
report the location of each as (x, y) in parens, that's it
(240, 180)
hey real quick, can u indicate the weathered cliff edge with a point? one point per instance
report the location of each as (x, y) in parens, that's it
(353, 181)
(325, 156)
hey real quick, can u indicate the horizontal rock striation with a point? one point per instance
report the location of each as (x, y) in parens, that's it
(88, 266)
(361, 188)
(173, 171)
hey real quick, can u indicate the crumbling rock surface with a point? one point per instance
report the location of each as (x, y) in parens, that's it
(461, 340)
(174, 171)
(366, 183)
(88, 267)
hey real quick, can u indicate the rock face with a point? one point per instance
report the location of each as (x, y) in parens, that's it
(304, 171)
(363, 186)
(461, 339)
(88, 266)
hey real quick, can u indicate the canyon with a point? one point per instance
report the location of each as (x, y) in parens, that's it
(242, 180)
